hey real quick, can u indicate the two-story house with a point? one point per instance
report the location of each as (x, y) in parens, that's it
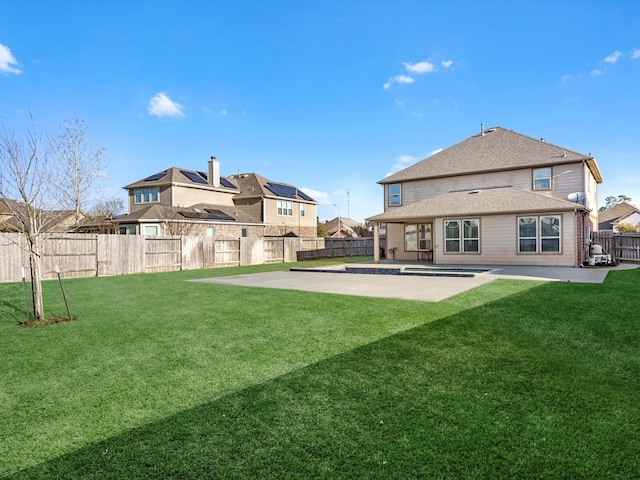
(496, 198)
(178, 201)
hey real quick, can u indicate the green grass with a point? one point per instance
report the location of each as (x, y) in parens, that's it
(162, 378)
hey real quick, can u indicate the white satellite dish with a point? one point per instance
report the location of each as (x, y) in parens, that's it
(577, 196)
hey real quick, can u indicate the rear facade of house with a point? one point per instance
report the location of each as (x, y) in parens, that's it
(496, 198)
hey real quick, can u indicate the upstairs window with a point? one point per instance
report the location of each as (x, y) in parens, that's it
(285, 208)
(303, 210)
(147, 195)
(395, 194)
(542, 178)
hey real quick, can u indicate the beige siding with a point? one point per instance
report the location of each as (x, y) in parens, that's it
(164, 199)
(292, 223)
(251, 206)
(498, 244)
(567, 179)
(185, 197)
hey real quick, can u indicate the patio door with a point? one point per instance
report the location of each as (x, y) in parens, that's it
(424, 236)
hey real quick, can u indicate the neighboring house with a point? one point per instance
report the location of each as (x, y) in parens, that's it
(179, 201)
(498, 197)
(341, 227)
(13, 217)
(623, 212)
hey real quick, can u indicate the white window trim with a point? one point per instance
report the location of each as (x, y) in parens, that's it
(539, 238)
(303, 210)
(144, 192)
(397, 195)
(461, 237)
(144, 229)
(284, 208)
(549, 178)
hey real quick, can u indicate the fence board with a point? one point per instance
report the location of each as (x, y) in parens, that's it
(120, 254)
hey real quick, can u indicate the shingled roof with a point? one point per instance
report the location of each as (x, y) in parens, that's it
(490, 201)
(492, 150)
(608, 217)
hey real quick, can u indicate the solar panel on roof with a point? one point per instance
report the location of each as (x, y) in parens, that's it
(157, 176)
(282, 190)
(226, 183)
(193, 176)
(304, 196)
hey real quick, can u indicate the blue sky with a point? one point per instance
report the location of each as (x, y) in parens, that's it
(330, 96)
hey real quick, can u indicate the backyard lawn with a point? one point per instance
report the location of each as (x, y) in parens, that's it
(163, 378)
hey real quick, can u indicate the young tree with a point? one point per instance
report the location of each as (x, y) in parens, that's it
(79, 166)
(25, 190)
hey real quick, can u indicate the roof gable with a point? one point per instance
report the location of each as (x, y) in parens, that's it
(494, 149)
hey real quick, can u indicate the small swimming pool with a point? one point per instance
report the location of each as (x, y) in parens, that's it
(462, 272)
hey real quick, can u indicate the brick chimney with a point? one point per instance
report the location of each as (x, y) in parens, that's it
(214, 172)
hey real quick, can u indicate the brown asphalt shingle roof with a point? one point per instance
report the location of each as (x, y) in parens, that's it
(607, 217)
(498, 149)
(490, 201)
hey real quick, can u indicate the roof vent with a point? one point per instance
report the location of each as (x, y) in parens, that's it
(474, 191)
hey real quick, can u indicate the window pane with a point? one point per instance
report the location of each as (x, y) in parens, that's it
(410, 237)
(150, 230)
(542, 178)
(452, 246)
(527, 227)
(550, 226)
(471, 228)
(528, 245)
(425, 237)
(550, 245)
(452, 229)
(395, 194)
(471, 246)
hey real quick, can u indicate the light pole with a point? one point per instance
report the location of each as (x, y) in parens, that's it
(338, 219)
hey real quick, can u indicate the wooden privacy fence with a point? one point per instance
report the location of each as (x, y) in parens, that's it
(339, 247)
(623, 247)
(85, 255)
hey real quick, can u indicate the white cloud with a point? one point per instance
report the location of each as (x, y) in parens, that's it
(446, 63)
(398, 79)
(161, 105)
(223, 112)
(635, 54)
(597, 72)
(318, 196)
(403, 79)
(613, 58)
(7, 60)
(420, 67)
(401, 162)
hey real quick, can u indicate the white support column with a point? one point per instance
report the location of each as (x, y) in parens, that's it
(376, 243)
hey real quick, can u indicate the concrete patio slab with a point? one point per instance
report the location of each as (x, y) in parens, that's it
(423, 288)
